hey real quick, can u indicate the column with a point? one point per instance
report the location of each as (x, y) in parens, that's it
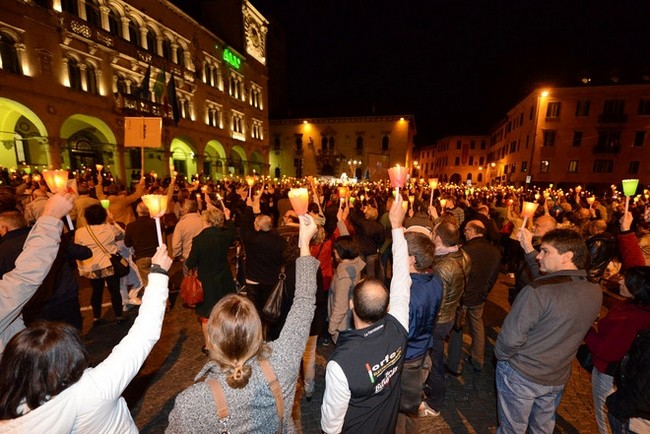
(66, 72)
(143, 38)
(84, 78)
(125, 29)
(159, 45)
(114, 83)
(174, 52)
(188, 60)
(81, 5)
(104, 11)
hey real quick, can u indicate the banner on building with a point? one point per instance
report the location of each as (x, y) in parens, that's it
(142, 132)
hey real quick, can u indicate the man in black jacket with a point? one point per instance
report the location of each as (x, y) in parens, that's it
(483, 273)
(602, 249)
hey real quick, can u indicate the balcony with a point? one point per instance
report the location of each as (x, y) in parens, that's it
(612, 118)
(609, 149)
(131, 105)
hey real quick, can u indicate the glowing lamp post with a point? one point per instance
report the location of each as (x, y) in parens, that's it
(397, 177)
(629, 189)
(157, 205)
(528, 211)
(299, 198)
(57, 180)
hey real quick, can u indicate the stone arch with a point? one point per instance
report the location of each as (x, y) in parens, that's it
(215, 158)
(89, 141)
(183, 156)
(18, 123)
(455, 178)
(237, 161)
(257, 163)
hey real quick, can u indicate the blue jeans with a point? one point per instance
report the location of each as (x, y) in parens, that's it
(522, 404)
(602, 385)
(434, 388)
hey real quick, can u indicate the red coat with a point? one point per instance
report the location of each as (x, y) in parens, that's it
(616, 332)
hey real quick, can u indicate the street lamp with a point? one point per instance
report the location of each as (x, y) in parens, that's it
(416, 169)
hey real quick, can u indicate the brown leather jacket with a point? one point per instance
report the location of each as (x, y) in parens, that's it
(453, 268)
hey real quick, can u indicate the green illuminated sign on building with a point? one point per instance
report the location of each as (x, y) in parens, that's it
(231, 58)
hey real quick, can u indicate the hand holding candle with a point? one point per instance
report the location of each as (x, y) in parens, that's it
(629, 189)
(250, 181)
(57, 181)
(157, 205)
(299, 198)
(528, 211)
(397, 177)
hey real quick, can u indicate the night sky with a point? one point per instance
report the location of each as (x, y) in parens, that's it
(456, 65)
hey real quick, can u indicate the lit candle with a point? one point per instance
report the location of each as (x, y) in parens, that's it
(629, 189)
(157, 205)
(36, 178)
(591, 200)
(433, 183)
(299, 198)
(578, 189)
(105, 203)
(343, 192)
(250, 181)
(411, 200)
(397, 177)
(99, 167)
(443, 203)
(528, 211)
(57, 180)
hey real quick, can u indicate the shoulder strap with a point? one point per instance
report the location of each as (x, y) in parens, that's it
(219, 398)
(101, 246)
(274, 385)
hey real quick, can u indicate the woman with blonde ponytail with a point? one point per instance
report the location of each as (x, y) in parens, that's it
(239, 356)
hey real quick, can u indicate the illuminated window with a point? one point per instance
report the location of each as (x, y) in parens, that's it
(9, 55)
(256, 130)
(573, 166)
(553, 109)
(544, 166)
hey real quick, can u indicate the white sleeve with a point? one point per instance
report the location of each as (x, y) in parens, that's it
(400, 285)
(335, 399)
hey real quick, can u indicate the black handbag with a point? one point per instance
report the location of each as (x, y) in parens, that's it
(584, 358)
(273, 307)
(120, 265)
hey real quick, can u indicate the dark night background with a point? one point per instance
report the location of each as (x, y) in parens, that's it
(458, 66)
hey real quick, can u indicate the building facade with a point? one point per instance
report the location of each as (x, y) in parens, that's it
(72, 70)
(594, 136)
(454, 159)
(361, 147)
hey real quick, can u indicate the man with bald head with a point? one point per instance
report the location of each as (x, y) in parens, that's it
(362, 379)
(529, 269)
(483, 273)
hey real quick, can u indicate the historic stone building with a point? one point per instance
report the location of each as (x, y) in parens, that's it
(72, 70)
(362, 147)
(455, 159)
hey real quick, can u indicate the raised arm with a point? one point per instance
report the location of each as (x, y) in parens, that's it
(400, 284)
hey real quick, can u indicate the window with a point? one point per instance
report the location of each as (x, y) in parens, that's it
(180, 56)
(613, 109)
(609, 141)
(639, 138)
(582, 108)
(634, 167)
(513, 146)
(134, 33)
(524, 166)
(513, 167)
(257, 131)
(480, 161)
(532, 113)
(573, 166)
(549, 138)
(644, 107)
(114, 23)
(480, 177)
(167, 50)
(93, 16)
(457, 161)
(472, 144)
(151, 42)
(360, 143)
(91, 80)
(553, 109)
(74, 74)
(458, 144)
(471, 161)
(577, 138)
(544, 166)
(9, 55)
(385, 141)
(603, 166)
(482, 144)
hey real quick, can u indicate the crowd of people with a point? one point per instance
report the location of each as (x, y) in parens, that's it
(392, 278)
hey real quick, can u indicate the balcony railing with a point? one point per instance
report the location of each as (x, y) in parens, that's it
(612, 118)
(134, 106)
(609, 149)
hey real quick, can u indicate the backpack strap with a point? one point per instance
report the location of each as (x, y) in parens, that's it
(274, 385)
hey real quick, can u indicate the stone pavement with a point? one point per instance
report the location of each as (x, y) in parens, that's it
(470, 404)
